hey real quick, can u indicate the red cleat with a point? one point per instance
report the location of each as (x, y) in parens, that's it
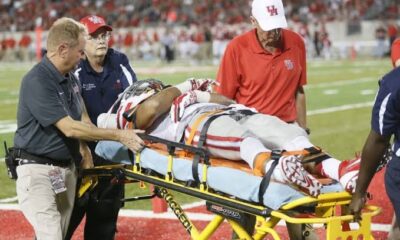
(348, 173)
(293, 172)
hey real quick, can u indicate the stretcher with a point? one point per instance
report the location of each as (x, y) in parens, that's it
(229, 191)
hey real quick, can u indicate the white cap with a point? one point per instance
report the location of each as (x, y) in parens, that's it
(269, 14)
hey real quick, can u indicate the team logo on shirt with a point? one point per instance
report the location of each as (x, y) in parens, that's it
(117, 84)
(272, 10)
(88, 86)
(289, 64)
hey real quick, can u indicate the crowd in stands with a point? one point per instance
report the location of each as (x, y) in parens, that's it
(186, 29)
(25, 15)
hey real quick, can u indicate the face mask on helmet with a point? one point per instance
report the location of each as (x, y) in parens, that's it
(132, 97)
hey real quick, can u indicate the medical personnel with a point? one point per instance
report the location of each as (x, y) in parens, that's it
(265, 69)
(385, 123)
(52, 130)
(103, 75)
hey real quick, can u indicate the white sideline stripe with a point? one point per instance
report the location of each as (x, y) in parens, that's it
(9, 200)
(194, 217)
(340, 108)
(10, 207)
(341, 83)
(193, 205)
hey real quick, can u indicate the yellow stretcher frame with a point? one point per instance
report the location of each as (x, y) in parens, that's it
(326, 206)
(329, 209)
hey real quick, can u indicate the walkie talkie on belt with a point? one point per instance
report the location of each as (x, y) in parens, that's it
(11, 162)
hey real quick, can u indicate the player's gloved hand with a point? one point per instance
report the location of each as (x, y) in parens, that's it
(180, 103)
(205, 84)
(202, 84)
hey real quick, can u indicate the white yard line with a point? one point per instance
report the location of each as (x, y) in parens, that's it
(341, 83)
(9, 200)
(339, 108)
(7, 126)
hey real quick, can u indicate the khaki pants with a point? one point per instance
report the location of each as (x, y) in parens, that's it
(47, 212)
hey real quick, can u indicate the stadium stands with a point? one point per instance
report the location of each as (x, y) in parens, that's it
(145, 21)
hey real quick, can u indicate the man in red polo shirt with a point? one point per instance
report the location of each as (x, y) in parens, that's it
(265, 69)
(395, 53)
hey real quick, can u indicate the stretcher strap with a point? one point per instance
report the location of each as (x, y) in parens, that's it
(305, 152)
(201, 143)
(131, 156)
(318, 158)
(311, 154)
(265, 181)
(197, 123)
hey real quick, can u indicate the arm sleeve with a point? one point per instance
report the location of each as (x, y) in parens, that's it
(43, 102)
(128, 72)
(228, 77)
(386, 113)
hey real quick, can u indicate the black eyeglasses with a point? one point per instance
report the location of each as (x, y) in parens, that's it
(101, 37)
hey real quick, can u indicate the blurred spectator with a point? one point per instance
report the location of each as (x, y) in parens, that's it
(183, 44)
(2, 47)
(168, 41)
(111, 42)
(317, 41)
(10, 45)
(392, 32)
(381, 46)
(326, 46)
(24, 45)
(220, 41)
(205, 50)
(128, 48)
(304, 32)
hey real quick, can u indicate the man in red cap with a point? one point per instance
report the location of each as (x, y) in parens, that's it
(265, 69)
(104, 74)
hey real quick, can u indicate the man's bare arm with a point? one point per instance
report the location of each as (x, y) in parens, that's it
(221, 99)
(160, 103)
(301, 108)
(154, 107)
(373, 150)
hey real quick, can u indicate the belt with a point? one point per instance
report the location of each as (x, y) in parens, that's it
(27, 158)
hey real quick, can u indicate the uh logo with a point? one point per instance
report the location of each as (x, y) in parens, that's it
(272, 10)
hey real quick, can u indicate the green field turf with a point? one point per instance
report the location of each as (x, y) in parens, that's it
(331, 85)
